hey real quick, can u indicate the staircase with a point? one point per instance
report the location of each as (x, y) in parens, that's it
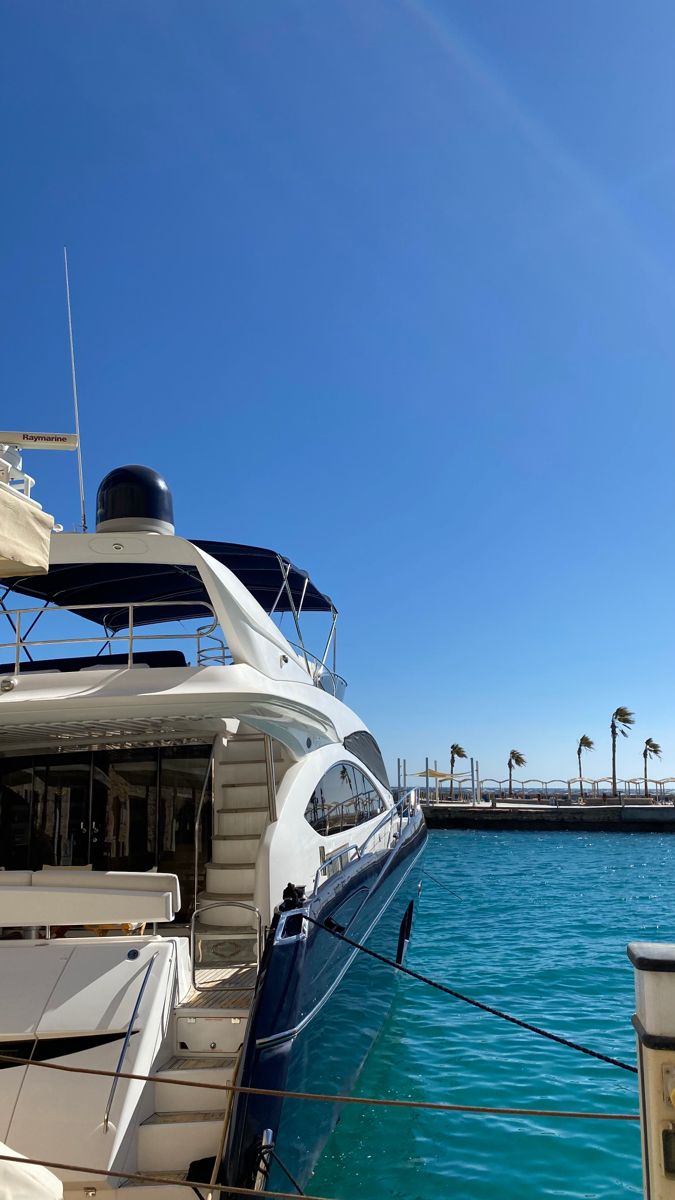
(225, 932)
(211, 1021)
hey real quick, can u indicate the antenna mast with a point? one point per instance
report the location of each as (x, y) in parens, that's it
(75, 404)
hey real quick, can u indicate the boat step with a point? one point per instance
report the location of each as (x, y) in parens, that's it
(230, 878)
(226, 933)
(248, 750)
(234, 773)
(170, 1141)
(213, 950)
(170, 1096)
(224, 988)
(242, 795)
(251, 821)
(235, 848)
(152, 1191)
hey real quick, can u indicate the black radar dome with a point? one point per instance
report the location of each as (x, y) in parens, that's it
(134, 497)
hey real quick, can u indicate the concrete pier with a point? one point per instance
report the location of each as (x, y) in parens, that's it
(598, 818)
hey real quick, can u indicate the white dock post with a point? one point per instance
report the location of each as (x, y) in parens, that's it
(654, 1023)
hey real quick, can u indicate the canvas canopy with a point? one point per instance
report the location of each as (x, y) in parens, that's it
(24, 536)
(20, 1180)
(263, 572)
(438, 774)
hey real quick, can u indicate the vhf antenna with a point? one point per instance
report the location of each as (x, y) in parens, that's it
(75, 404)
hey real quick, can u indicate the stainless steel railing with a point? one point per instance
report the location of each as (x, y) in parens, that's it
(127, 1039)
(393, 817)
(270, 778)
(338, 854)
(255, 931)
(322, 676)
(198, 815)
(210, 645)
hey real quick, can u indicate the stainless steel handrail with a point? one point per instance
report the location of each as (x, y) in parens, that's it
(321, 671)
(258, 942)
(389, 817)
(337, 854)
(398, 809)
(18, 643)
(127, 1039)
(198, 815)
(270, 778)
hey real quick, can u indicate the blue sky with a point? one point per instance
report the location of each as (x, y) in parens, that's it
(388, 286)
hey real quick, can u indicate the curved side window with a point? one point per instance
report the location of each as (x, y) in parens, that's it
(363, 745)
(343, 798)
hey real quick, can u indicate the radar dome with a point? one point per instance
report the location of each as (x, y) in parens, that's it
(134, 498)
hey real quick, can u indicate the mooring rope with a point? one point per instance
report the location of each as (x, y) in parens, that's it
(269, 1152)
(137, 1177)
(440, 884)
(338, 931)
(327, 1098)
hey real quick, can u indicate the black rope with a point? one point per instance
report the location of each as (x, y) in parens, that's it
(273, 1154)
(441, 885)
(338, 931)
(268, 1152)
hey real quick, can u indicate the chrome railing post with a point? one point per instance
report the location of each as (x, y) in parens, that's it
(127, 1039)
(17, 659)
(198, 817)
(270, 778)
(130, 659)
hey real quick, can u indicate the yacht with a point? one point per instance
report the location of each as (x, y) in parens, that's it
(192, 824)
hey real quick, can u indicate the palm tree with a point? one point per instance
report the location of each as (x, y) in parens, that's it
(585, 743)
(516, 759)
(622, 719)
(456, 751)
(651, 750)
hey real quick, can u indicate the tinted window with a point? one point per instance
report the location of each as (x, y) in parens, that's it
(344, 798)
(130, 809)
(368, 801)
(363, 745)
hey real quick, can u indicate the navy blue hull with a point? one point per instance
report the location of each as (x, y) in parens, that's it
(319, 1007)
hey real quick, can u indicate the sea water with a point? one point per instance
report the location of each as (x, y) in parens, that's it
(538, 928)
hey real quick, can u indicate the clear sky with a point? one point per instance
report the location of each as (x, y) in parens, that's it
(389, 286)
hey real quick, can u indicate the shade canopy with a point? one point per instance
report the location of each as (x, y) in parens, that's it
(439, 774)
(261, 571)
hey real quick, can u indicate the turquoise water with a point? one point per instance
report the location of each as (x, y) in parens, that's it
(540, 931)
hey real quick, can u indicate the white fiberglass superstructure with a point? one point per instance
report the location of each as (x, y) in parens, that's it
(170, 763)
